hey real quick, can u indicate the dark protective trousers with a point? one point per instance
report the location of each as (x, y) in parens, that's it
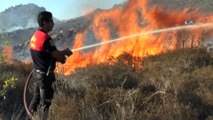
(43, 91)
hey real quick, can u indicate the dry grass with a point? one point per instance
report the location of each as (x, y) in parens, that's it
(175, 85)
(172, 86)
(12, 106)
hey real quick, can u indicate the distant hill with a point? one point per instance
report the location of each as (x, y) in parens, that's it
(63, 32)
(19, 17)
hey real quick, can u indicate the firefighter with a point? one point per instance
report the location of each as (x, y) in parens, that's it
(44, 55)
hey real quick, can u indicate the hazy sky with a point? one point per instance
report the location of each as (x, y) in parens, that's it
(64, 9)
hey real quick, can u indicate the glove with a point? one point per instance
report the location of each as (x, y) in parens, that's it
(68, 52)
(63, 60)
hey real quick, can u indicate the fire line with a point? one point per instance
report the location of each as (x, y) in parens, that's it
(147, 33)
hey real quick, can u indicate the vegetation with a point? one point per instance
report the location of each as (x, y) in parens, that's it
(12, 78)
(8, 84)
(175, 85)
(172, 86)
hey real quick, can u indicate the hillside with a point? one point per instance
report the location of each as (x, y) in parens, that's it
(175, 85)
(158, 76)
(18, 31)
(203, 5)
(19, 17)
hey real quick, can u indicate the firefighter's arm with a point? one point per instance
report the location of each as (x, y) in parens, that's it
(59, 56)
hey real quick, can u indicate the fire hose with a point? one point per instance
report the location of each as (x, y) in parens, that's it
(25, 93)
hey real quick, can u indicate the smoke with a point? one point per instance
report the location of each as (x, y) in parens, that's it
(81, 8)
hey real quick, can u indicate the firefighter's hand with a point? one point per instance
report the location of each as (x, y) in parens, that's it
(63, 60)
(68, 52)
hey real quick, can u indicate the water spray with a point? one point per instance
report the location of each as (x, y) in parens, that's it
(147, 33)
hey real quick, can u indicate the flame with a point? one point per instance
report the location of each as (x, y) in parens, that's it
(7, 53)
(132, 18)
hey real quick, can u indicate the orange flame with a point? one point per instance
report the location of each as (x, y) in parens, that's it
(8, 53)
(132, 18)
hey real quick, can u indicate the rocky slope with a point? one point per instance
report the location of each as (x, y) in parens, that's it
(19, 17)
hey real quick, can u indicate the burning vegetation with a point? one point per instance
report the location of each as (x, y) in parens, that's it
(128, 22)
(174, 85)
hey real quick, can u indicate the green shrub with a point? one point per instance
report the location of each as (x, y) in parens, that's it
(8, 84)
